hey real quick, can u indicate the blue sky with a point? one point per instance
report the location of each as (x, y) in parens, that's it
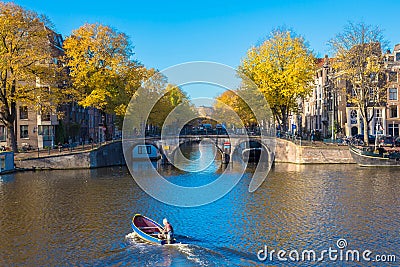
(166, 33)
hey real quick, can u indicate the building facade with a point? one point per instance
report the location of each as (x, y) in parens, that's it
(325, 109)
(392, 62)
(328, 111)
(69, 123)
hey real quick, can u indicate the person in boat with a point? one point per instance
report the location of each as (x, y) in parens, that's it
(167, 232)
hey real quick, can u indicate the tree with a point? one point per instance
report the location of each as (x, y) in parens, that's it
(153, 103)
(245, 106)
(173, 110)
(227, 109)
(99, 61)
(283, 69)
(28, 73)
(359, 60)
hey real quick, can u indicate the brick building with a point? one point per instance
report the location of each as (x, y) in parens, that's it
(392, 61)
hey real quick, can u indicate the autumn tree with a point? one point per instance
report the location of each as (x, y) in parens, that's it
(359, 60)
(29, 73)
(154, 101)
(228, 110)
(173, 110)
(230, 106)
(283, 69)
(103, 74)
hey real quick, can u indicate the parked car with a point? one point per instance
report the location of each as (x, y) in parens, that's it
(360, 137)
(220, 129)
(397, 141)
(386, 141)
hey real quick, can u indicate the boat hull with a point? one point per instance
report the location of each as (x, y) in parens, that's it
(371, 159)
(147, 229)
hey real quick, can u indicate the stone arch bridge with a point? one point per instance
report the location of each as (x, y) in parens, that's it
(227, 145)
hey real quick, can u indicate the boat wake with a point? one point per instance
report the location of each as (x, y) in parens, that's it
(197, 255)
(195, 252)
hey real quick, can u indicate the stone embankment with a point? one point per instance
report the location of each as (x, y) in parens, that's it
(107, 155)
(288, 152)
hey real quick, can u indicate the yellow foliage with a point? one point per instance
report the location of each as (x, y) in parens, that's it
(283, 69)
(28, 73)
(98, 58)
(359, 60)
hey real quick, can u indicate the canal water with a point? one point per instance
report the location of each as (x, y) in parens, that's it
(82, 217)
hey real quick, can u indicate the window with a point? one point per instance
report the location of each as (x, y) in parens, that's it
(398, 56)
(24, 131)
(393, 112)
(3, 134)
(45, 116)
(392, 93)
(47, 131)
(353, 117)
(390, 58)
(141, 149)
(23, 112)
(378, 113)
(392, 76)
(393, 129)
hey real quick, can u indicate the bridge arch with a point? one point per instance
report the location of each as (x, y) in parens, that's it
(263, 145)
(147, 149)
(198, 139)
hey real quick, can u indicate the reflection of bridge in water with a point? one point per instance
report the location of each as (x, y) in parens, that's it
(227, 145)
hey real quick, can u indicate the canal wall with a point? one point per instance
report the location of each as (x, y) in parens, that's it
(107, 155)
(288, 152)
(112, 155)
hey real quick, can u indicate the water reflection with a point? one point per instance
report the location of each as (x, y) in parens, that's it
(82, 217)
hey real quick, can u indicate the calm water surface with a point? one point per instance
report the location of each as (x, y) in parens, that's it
(82, 217)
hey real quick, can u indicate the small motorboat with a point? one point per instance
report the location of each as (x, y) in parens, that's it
(147, 229)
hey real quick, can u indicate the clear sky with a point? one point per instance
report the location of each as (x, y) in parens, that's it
(165, 33)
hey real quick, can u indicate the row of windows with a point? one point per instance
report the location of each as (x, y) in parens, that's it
(392, 112)
(23, 114)
(393, 93)
(144, 149)
(47, 131)
(391, 58)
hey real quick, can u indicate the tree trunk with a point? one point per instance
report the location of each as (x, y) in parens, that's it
(8, 119)
(365, 121)
(12, 138)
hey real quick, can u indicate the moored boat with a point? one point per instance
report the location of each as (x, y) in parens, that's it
(147, 229)
(367, 156)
